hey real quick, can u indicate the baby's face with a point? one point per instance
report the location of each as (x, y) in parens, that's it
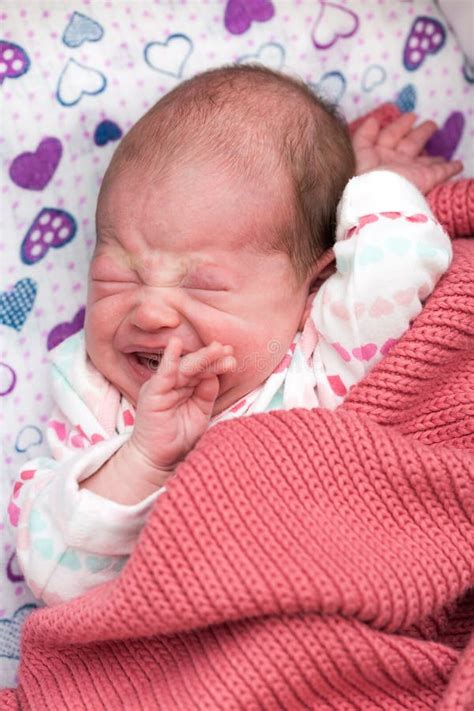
(179, 255)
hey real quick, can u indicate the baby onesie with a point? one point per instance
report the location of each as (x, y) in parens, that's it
(390, 252)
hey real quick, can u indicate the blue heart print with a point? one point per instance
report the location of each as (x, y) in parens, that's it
(28, 436)
(406, 99)
(81, 29)
(76, 81)
(169, 57)
(15, 305)
(332, 86)
(10, 632)
(107, 131)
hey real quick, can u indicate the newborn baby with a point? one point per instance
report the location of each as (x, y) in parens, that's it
(215, 227)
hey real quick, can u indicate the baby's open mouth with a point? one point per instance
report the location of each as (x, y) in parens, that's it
(150, 360)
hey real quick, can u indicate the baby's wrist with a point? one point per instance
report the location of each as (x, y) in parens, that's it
(126, 478)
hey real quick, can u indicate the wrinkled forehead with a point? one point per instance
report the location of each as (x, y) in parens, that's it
(189, 204)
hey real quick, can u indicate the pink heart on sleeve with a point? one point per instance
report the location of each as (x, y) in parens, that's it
(417, 218)
(128, 418)
(13, 514)
(365, 352)
(367, 219)
(339, 309)
(391, 215)
(389, 343)
(337, 386)
(341, 351)
(59, 428)
(381, 307)
(28, 474)
(404, 296)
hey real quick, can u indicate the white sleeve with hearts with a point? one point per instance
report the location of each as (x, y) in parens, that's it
(69, 540)
(390, 252)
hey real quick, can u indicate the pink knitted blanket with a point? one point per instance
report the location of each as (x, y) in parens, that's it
(300, 560)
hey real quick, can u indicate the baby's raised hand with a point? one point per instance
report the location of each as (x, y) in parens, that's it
(399, 147)
(175, 405)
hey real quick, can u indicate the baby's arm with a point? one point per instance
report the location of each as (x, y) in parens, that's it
(69, 540)
(390, 252)
(76, 518)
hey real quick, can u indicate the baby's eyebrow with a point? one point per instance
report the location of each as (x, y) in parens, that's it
(215, 273)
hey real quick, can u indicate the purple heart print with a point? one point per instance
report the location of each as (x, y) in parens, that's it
(13, 61)
(65, 329)
(51, 228)
(446, 139)
(239, 14)
(33, 171)
(427, 36)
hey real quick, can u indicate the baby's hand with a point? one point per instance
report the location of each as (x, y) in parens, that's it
(399, 147)
(175, 405)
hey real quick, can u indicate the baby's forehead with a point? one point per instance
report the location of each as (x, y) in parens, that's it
(188, 208)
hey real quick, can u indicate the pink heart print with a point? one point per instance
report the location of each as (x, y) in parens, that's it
(59, 428)
(367, 219)
(339, 309)
(427, 36)
(128, 418)
(417, 218)
(365, 352)
(13, 61)
(389, 343)
(51, 228)
(341, 351)
(337, 386)
(381, 307)
(404, 296)
(239, 14)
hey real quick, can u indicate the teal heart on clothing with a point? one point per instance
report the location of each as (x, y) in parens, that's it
(96, 563)
(37, 522)
(70, 560)
(370, 255)
(343, 264)
(399, 245)
(119, 564)
(45, 547)
(425, 250)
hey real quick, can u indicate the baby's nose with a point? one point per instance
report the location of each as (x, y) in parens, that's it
(155, 312)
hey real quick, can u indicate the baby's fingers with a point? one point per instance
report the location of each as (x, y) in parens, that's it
(366, 134)
(166, 377)
(391, 135)
(210, 359)
(415, 141)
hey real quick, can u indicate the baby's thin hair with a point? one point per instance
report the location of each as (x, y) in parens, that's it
(256, 121)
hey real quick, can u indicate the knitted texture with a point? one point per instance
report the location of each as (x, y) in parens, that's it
(453, 204)
(300, 559)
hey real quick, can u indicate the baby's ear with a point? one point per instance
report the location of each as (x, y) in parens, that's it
(323, 269)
